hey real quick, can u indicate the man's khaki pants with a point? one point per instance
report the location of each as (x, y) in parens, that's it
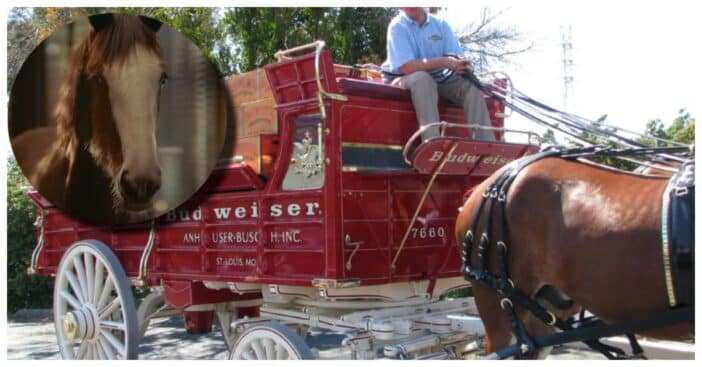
(425, 98)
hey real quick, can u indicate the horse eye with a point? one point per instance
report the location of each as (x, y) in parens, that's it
(98, 79)
(164, 79)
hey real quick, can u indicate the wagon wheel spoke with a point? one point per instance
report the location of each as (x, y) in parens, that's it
(69, 345)
(114, 343)
(100, 351)
(70, 299)
(280, 352)
(270, 348)
(73, 282)
(99, 280)
(113, 325)
(82, 350)
(106, 347)
(106, 290)
(96, 351)
(80, 273)
(89, 271)
(248, 356)
(110, 309)
(256, 345)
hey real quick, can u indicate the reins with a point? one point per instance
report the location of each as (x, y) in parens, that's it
(577, 128)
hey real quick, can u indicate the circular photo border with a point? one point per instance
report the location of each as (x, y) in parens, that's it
(118, 118)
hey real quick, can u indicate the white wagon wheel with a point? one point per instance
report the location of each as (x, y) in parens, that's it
(148, 308)
(270, 341)
(94, 311)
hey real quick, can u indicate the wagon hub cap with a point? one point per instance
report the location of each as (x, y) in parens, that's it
(81, 323)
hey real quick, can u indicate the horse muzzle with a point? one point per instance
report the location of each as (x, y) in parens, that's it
(138, 188)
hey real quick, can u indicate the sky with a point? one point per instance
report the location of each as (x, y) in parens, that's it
(634, 61)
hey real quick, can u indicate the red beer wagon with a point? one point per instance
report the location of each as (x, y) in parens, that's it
(342, 219)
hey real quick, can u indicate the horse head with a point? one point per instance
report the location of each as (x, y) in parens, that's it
(115, 104)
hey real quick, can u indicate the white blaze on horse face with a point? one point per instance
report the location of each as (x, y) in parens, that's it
(134, 85)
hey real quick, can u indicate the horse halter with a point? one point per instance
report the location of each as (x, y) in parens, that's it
(493, 200)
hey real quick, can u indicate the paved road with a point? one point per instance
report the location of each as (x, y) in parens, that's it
(31, 336)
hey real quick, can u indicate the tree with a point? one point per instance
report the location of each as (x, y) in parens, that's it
(488, 44)
(353, 35)
(27, 27)
(23, 291)
(241, 39)
(202, 26)
(549, 137)
(681, 130)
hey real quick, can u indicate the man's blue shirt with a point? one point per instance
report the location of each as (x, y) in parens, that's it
(407, 41)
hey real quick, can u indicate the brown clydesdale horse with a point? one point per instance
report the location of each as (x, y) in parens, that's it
(99, 161)
(587, 232)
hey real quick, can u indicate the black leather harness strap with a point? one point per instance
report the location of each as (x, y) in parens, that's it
(598, 329)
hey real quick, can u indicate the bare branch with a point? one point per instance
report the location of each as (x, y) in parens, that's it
(487, 43)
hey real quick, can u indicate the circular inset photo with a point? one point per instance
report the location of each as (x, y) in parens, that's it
(117, 118)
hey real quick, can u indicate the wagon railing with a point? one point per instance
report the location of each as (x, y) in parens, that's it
(321, 93)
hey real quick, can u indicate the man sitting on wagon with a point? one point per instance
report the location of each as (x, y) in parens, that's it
(418, 45)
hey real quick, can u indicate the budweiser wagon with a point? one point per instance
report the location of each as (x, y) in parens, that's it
(331, 214)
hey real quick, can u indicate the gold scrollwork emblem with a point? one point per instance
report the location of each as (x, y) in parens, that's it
(306, 157)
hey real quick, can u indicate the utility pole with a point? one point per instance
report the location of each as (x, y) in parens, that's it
(568, 80)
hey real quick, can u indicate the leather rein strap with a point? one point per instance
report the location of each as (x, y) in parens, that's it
(493, 202)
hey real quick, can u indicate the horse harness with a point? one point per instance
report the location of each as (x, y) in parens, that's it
(678, 235)
(678, 244)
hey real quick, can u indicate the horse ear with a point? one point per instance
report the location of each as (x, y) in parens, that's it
(151, 23)
(100, 21)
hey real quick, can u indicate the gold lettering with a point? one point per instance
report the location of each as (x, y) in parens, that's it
(437, 155)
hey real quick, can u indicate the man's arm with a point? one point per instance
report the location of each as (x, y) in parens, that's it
(401, 54)
(443, 62)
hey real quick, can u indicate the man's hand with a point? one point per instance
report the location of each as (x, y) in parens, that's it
(455, 63)
(458, 65)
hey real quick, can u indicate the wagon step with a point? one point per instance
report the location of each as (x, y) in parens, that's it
(439, 356)
(404, 349)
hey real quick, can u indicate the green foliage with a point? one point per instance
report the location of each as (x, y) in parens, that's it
(681, 130)
(459, 293)
(234, 39)
(549, 137)
(202, 26)
(608, 161)
(354, 35)
(686, 134)
(23, 291)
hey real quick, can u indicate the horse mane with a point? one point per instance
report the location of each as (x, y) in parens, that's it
(111, 44)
